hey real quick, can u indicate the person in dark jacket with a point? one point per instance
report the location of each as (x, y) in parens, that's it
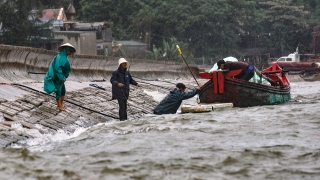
(247, 70)
(171, 103)
(120, 80)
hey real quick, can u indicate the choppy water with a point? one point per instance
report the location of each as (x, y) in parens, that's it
(267, 142)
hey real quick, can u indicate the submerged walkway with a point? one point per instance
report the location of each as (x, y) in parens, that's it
(26, 111)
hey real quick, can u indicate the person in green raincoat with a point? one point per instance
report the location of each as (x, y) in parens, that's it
(57, 74)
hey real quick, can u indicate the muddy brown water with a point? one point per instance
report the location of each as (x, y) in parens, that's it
(263, 142)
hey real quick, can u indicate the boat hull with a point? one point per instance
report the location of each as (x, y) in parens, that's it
(244, 94)
(299, 66)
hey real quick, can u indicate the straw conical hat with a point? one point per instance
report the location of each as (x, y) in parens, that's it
(65, 45)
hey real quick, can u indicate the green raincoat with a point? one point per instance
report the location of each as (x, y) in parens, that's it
(59, 70)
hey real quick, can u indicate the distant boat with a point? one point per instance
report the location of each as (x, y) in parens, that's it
(293, 64)
(224, 88)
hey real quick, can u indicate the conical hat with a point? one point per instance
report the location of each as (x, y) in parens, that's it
(66, 45)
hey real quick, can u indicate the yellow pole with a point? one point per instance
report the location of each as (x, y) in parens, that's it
(180, 52)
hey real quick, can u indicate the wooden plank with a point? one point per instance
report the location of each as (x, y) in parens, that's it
(48, 114)
(42, 114)
(90, 118)
(199, 108)
(4, 127)
(9, 118)
(24, 114)
(34, 119)
(12, 105)
(53, 122)
(3, 108)
(215, 82)
(221, 82)
(10, 112)
(34, 102)
(45, 124)
(61, 121)
(72, 120)
(28, 106)
(23, 123)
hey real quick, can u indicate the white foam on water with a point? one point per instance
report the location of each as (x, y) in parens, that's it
(46, 141)
(157, 96)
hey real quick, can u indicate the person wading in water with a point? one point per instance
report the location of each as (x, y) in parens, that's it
(171, 103)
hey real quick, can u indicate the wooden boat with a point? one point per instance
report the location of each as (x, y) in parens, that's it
(224, 88)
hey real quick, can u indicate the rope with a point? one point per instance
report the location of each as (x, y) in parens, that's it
(67, 101)
(155, 84)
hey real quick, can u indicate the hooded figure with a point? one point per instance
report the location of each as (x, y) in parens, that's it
(120, 80)
(58, 72)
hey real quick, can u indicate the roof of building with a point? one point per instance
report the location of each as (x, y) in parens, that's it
(53, 14)
(71, 9)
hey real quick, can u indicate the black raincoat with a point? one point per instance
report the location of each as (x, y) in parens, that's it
(124, 77)
(171, 103)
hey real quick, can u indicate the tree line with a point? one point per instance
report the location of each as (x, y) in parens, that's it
(211, 28)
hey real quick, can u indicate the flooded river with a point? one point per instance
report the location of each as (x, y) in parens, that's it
(267, 142)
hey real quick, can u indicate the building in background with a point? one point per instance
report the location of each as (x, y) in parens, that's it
(130, 49)
(88, 38)
(63, 28)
